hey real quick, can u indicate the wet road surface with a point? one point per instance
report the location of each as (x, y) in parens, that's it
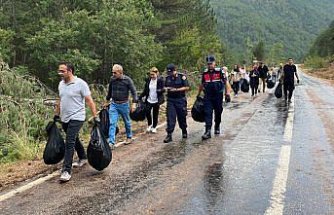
(242, 171)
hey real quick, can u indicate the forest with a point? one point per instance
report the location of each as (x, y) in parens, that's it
(285, 27)
(94, 34)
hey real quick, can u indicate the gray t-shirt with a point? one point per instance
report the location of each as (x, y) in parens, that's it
(72, 100)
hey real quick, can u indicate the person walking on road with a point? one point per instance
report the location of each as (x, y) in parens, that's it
(254, 80)
(288, 77)
(119, 87)
(263, 72)
(236, 80)
(176, 85)
(71, 111)
(154, 97)
(214, 84)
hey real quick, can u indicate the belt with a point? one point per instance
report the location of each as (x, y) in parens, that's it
(121, 102)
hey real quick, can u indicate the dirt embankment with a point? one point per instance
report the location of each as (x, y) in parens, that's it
(324, 73)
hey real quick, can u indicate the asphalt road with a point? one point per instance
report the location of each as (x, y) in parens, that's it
(272, 158)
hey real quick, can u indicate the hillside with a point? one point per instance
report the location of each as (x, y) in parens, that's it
(293, 23)
(324, 44)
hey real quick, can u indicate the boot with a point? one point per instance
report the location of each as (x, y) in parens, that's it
(206, 135)
(184, 134)
(168, 138)
(217, 129)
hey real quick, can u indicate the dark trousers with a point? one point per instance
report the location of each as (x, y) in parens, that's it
(213, 104)
(72, 142)
(288, 87)
(176, 108)
(155, 108)
(254, 89)
(236, 86)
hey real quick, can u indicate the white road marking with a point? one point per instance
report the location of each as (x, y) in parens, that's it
(43, 179)
(28, 186)
(281, 176)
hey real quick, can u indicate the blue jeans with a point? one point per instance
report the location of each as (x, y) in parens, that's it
(114, 111)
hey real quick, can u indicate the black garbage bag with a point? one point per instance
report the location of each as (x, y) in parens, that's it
(197, 111)
(139, 114)
(55, 147)
(98, 152)
(278, 91)
(270, 84)
(104, 118)
(105, 123)
(245, 86)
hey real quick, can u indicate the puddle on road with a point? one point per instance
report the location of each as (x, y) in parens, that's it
(213, 183)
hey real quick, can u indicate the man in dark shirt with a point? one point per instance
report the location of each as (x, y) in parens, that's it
(119, 87)
(176, 85)
(214, 85)
(288, 76)
(263, 72)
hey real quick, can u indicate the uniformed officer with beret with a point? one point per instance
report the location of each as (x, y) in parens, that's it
(214, 85)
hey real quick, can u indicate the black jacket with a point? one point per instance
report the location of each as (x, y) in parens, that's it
(254, 78)
(160, 90)
(263, 71)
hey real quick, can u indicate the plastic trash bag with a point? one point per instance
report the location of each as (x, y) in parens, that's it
(139, 114)
(55, 147)
(270, 84)
(98, 152)
(278, 91)
(245, 86)
(104, 119)
(197, 111)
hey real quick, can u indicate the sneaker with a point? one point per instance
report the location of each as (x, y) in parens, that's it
(149, 129)
(168, 139)
(79, 163)
(65, 176)
(217, 131)
(206, 135)
(154, 130)
(128, 141)
(184, 135)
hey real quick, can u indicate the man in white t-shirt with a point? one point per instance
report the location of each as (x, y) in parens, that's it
(73, 94)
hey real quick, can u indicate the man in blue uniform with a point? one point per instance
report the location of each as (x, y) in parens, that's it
(214, 85)
(176, 85)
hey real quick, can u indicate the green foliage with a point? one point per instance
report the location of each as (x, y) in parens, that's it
(23, 115)
(316, 62)
(324, 43)
(293, 23)
(6, 39)
(187, 35)
(259, 51)
(95, 34)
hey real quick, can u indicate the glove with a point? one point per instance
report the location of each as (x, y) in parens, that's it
(56, 118)
(297, 81)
